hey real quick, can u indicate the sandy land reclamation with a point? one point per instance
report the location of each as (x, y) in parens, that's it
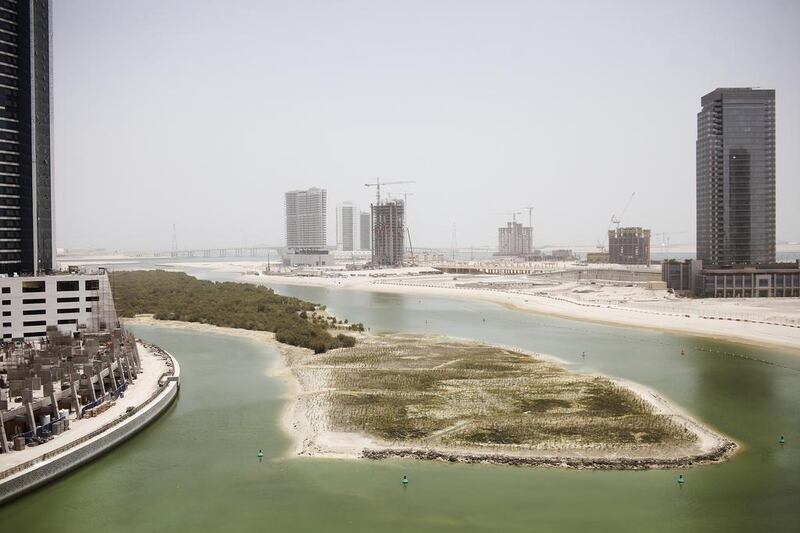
(436, 398)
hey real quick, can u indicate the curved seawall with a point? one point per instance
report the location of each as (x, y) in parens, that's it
(50, 466)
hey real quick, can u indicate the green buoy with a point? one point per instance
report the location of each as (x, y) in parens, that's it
(260, 455)
(681, 481)
(781, 440)
(405, 481)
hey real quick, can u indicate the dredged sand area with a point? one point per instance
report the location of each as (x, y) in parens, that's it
(320, 424)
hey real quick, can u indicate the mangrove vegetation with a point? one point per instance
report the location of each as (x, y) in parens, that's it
(178, 296)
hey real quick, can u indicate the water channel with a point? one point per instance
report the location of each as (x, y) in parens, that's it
(196, 469)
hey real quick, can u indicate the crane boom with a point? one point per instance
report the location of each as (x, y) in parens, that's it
(530, 215)
(512, 213)
(378, 184)
(618, 220)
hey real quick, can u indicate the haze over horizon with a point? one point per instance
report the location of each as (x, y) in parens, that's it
(186, 113)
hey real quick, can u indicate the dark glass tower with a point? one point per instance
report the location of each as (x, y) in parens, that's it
(26, 225)
(736, 177)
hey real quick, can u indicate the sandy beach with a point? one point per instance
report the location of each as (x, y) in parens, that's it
(305, 420)
(764, 321)
(774, 321)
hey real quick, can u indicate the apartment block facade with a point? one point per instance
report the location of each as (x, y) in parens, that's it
(306, 220)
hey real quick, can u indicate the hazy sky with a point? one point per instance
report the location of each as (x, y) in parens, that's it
(202, 113)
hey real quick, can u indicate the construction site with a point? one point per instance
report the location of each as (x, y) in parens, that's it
(516, 240)
(389, 229)
(48, 381)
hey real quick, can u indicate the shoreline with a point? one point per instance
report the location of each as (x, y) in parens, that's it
(305, 423)
(96, 436)
(753, 333)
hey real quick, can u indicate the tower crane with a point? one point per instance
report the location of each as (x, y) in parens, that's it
(665, 238)
(377, 184)
(512, 213)
(530, 215)
(615, 220)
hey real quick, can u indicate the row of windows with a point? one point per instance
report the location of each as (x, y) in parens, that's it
(64, 300)
(32, 323)
(61, 286)
(63, 311)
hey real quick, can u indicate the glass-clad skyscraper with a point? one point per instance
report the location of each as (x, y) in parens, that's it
(735, 153)
(26, 225)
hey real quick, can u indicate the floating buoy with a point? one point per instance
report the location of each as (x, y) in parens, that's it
(681, 481)
(260, 455)
(781, 440)
(405, 481)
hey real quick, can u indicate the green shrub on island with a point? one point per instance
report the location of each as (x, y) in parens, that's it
(178, 296)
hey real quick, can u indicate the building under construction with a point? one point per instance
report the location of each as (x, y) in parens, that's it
(629, 246)
(44, 379)
(388, 233)
(515, 240)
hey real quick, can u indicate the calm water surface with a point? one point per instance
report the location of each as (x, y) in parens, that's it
(196, 469)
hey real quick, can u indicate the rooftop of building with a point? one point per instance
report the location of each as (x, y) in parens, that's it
(787, 267)
(752, 92)
(759, 267)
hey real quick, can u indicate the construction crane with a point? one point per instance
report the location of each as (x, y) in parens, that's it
(378, 184)
(512, 213)
(530, 215)
(413, 259)
(601, 247)
(617, 220)
(665, 238)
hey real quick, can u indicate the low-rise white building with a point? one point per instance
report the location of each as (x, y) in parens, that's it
(30, 304)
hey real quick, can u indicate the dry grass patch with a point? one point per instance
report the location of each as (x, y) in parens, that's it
(420, 391)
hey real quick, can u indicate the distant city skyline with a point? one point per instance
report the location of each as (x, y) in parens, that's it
(488, 108)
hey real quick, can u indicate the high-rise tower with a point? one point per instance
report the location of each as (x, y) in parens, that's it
(388, 233)
(365, 229)
(306, 219)
(736, 177)
(26, 208)
(348, 220)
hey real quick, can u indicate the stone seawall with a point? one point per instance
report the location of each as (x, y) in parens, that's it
(76, 454)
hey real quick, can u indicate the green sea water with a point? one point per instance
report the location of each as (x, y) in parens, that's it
(196, 468)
